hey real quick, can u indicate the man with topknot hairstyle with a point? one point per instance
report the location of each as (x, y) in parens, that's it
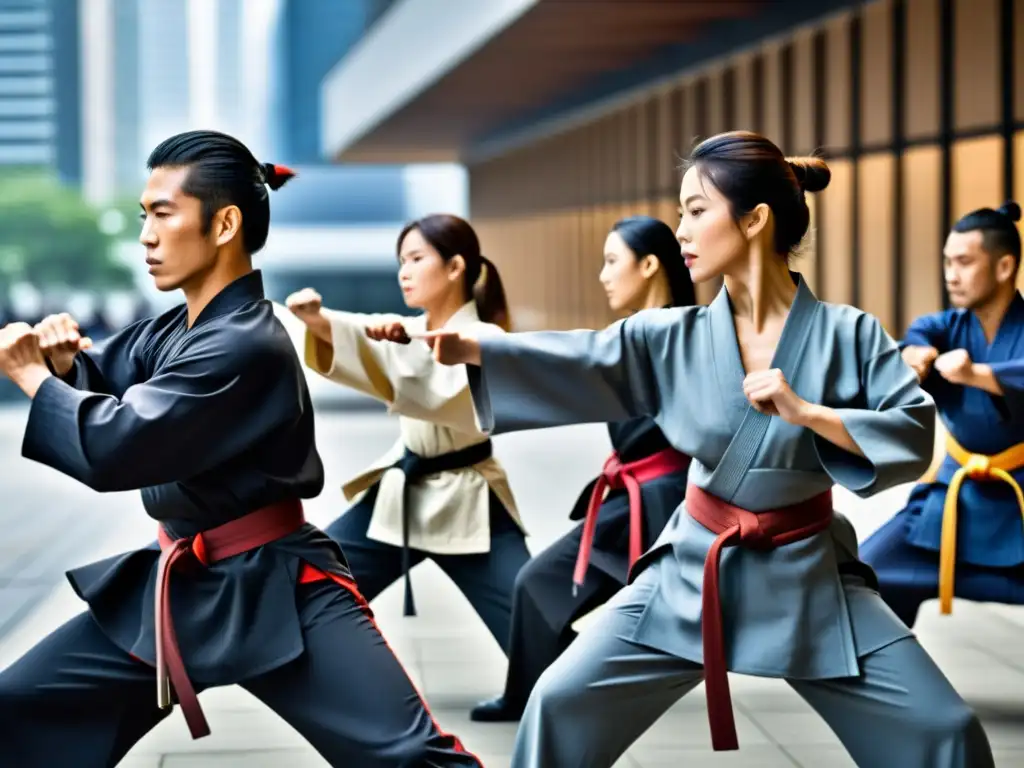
(205, 410)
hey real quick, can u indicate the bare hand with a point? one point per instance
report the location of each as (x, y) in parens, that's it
(393, 331)
(60, 340)
(920, 359)
(19, 350)
(955, 366)
(769, 392)
(452, 348)
(305, 304)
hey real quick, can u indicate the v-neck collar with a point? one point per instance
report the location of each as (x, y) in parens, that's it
(243, 290)
(1006, 334)
(729, 361)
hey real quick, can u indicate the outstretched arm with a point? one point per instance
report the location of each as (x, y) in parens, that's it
(545, 379)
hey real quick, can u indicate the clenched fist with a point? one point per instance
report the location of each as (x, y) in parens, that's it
(305, 304)
(920, 359)
(393, 331)
(19, 349)
(452, 348)
(770, 393)
(60, 340)
(955, 366)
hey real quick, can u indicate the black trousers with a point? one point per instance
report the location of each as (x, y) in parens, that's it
(486, 579)
(543, 611)
(78, 700)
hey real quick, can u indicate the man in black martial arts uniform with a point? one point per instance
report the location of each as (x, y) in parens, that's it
(205, 410)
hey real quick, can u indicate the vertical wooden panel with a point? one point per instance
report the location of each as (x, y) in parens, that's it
(875, 189)
(665, 152)
(876, 74)
(977, 174)
(837, 86)
(729, 99)
(1018, 56)
(715, 101)
(834, 206)
(976, 64)
(922, 232)
(803, 110)
(921, 112)
(689, 118)
(772, 127)
(743, 107)
(699, 94)
(1018, 174)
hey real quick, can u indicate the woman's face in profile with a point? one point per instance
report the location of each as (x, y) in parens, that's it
(707, 234)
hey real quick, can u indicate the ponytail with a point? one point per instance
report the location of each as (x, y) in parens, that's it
(489, 295)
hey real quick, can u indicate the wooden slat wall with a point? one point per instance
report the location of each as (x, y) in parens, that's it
(909, 156)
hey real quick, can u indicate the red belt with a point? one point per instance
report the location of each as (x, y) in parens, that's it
(617, 475)
(242, 535)
(760, 530)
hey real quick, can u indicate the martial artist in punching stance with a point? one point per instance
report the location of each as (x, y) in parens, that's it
(645, 478)
(205, 410)
(439, 493)
(776, 396)
(962, 532)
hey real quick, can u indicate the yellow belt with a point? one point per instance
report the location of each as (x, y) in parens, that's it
(977, 467)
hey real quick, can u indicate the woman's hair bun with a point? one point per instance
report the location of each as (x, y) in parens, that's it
(811, 173)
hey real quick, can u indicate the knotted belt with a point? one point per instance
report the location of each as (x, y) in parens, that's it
(233, 538)
(977, 467)
(616, 475)
(756, 530)
(416, 467)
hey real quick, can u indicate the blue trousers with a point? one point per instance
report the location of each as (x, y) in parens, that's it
(909, 575)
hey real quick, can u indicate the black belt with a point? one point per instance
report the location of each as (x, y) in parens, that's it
(417, 467)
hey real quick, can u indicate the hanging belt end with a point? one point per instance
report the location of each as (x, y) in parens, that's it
(409, 608)
(163, 692)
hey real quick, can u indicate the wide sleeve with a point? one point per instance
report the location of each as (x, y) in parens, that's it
(208, 406)
(557, 378)
(404, 376)
(931, 330)
(894, 423)
(1010, 375)
(113, 364)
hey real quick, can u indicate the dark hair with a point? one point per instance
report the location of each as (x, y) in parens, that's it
(452, 236)
(749, 170)
(648, 236)
(999, 234)
(222, 172)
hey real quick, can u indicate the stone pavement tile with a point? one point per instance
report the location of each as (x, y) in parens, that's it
(821, 757)
(1008, 758)
(761, 756)
(685, 727)
(460, 684)
(293, 758)
(794, 728)
(1004, 732)
(232, 731)
(479, 738)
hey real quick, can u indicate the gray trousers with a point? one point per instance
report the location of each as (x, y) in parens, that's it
(603, 692)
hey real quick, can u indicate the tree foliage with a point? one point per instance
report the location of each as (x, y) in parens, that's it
(50, 236)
